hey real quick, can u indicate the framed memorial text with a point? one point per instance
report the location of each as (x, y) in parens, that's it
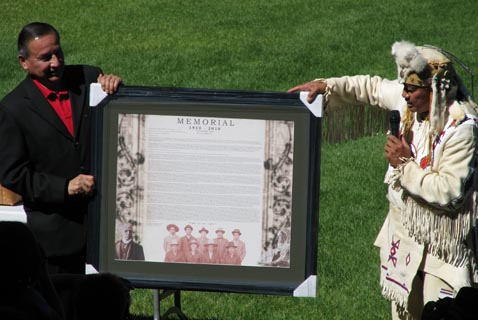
(206, 190)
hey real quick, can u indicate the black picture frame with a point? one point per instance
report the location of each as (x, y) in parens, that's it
(297, 279)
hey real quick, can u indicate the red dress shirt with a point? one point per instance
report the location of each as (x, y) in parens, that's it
(60, 102)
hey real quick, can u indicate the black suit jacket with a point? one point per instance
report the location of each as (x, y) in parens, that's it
(38, 157)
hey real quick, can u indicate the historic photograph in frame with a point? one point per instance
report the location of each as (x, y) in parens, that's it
(206, 190)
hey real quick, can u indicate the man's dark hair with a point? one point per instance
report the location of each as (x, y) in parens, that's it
(32, 31)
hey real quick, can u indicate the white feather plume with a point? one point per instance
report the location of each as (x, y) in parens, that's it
(408, 58)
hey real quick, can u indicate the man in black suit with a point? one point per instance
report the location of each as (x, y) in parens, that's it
(44, 143)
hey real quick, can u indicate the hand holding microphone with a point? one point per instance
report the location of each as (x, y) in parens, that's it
(396, 147)
(395, 122)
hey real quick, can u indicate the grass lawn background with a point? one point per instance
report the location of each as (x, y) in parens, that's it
(264, 46)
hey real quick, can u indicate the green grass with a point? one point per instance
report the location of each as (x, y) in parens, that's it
(265, 46)
(243, 44)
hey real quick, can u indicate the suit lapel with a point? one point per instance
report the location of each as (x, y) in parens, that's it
(77, 98)
(38, 104)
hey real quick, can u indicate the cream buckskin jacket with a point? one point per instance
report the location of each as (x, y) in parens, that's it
(430, 222)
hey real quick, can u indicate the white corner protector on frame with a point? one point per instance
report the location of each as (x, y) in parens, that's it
(308, 288)
(96, 94)
(316, 107)
(89, 269)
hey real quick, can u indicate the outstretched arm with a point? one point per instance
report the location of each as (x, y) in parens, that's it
(355, 90)
(314, 87)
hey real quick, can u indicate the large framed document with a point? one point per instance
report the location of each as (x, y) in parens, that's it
(206, 190)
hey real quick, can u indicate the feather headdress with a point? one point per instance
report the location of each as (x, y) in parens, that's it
(408, 59)
(427, 67)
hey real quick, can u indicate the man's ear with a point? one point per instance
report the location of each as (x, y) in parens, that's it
(23, 62)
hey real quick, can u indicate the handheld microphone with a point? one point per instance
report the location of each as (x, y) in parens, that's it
(394, 122)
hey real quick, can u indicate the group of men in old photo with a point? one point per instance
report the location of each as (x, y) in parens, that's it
(185, 248)
(202, 249)
(427, 243)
